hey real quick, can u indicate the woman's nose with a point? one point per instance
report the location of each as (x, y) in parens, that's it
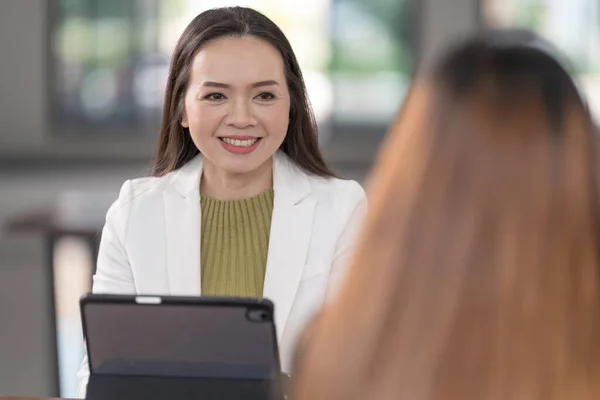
(240, 114)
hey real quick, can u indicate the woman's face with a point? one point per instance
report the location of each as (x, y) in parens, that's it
(237, 103)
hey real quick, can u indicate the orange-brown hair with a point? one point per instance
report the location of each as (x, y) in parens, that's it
(476, 276)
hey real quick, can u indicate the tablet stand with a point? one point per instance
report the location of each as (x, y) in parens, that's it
(105, 387)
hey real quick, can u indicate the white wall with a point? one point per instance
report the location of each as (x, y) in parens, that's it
(22, 69)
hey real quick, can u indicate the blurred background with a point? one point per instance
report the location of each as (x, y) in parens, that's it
(81, 85)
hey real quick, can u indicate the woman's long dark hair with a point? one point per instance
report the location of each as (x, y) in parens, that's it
(175, 146)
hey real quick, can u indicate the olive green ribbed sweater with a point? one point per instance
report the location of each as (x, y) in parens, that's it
(234, 245)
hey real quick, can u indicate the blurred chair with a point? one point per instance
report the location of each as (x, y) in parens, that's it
(71, 230)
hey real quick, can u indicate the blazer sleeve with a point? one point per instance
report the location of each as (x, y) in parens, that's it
(113, 271)
(354, 215)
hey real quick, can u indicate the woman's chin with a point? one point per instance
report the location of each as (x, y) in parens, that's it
(243, 165)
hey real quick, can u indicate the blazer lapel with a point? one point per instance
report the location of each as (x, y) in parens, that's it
(182, 214)
(291, 227)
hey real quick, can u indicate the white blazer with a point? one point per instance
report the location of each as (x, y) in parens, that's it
(151, 242)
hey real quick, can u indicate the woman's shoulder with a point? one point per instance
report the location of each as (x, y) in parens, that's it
(339, 194)
(136, 189)
(341, 199)
(330, 186)
(329, 189)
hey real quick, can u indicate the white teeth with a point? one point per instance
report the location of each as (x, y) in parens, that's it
(240, 143)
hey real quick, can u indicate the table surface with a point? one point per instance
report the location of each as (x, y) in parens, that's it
(27, 398)
(47, 221)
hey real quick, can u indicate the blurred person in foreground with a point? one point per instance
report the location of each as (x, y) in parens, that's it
(477, 273)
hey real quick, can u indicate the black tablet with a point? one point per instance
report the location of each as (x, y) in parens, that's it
(179, 345)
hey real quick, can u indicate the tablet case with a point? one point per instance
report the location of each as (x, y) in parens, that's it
(116, 386)
(132, 388)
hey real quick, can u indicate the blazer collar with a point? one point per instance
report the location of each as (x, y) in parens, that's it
(186, 180)
(289, 238)
(290, 183)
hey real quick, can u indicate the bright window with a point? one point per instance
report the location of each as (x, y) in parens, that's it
(110, 58)
(573, 26)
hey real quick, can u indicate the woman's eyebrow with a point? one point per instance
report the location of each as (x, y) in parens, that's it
(227, 86)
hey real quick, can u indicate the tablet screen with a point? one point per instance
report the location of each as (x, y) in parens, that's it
(179, 341)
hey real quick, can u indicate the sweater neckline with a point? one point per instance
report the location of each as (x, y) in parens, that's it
(268, 194)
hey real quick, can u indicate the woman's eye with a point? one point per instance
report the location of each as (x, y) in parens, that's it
(266, 96)
(214, 97)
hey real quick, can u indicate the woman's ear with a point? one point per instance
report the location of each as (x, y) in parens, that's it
(181, 111)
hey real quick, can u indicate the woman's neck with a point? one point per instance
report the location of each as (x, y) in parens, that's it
(223, 185)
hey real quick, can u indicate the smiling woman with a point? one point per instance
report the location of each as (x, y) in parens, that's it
(241, 202)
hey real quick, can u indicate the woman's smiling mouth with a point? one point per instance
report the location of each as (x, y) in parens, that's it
(239, 144)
